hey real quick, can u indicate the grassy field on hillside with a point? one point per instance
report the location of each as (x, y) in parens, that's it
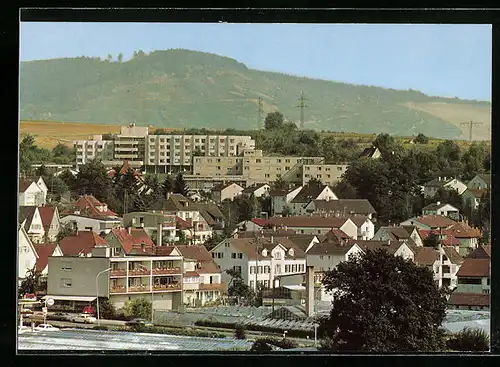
(49, 133)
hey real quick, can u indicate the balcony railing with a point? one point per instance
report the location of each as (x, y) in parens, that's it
(166, 271)
(167, 287)
(118, 289)
(139, 288)
(138, 272)
(118, 272)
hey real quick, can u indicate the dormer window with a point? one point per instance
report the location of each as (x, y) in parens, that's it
(264, 252)
(291, 252)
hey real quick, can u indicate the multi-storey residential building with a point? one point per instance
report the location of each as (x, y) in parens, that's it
(342, 207)
(315, 224)
(157, 278)
(130, 144)
(94, 148)
(202, 277)
(473, 288)
(261, 261)
(328, 174)
(444, 262)
(164, 153)
(154, 223)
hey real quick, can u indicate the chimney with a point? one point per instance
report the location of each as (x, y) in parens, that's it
(272, 239)
(129, 230)
(438, 203)
(309, 290)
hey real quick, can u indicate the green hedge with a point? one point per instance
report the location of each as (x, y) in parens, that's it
(231, 325)
(280, 343)
(177, 331)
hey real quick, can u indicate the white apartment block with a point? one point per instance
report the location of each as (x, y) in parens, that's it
(328, 174)
(87, 150)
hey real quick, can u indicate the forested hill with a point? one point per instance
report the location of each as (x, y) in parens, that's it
(182, 89)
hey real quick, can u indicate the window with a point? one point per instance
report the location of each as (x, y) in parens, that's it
(251, 283)
(287, 168)
(339, 168)
(279, 160)
(446, 269)
(321, 257)
(233, 255)
(258, 161)
(266, 283)
(66, 283)
(240, 255)
(277, 269)
(488, 281)
(277, 255)
(66, 267)
(287, 268)
(237, 269)
(287, 160)
(252, 270)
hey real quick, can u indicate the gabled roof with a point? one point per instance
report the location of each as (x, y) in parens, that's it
(469, 299)
(335, 235)
(135, 242)
(482, 252)
(81, 243)
(486, 177)
(224, 186)
(183, 224)
(43, 250)
(24, 184)
(477, 193)
(279, 232)
(436, 206)
(211, 209)
(195, 252)
(449, 237)
(463, 230)
(89, 206)
(178, 202)
(396, 233)
(283, 192)
(329, 248)
(369, 152)
(259, 221)
(27, 213)
(358, 220)
(301, 241)
(439, 181)
(164, 250)
(351, 206)
(252, 188)
(308, 221)
(410, 229)
(389, 246)
(434, 221)
(47, 214)
(474, 268)
(252, 247)
(426, 256)
(453, 255)
(308, 193)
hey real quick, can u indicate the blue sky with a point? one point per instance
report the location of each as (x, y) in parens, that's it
(437, 59)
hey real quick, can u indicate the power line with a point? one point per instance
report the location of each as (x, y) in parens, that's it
(301, 104)
(471, 125)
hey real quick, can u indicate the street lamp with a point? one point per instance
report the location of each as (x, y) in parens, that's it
(315, 333)
(151, 286)
(97, 290)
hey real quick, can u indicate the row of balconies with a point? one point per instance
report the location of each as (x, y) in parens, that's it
(144, 272)
(145, 288)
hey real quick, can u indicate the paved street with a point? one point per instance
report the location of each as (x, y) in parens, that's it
(73, 339)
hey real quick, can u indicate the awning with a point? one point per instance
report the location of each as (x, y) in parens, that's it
(295, 287)
(70, 298)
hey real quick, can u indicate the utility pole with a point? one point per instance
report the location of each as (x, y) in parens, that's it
(125, 202)
(471, 125)
(301, 104)
(259, 115)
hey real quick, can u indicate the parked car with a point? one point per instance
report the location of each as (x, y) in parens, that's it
(46, 327)
(27, 312)
(138, 321)
(84, 318)
(90, 310)
(60, 316)
(23, 329)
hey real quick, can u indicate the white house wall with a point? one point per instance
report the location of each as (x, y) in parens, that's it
(350, 229)
(36, 231)
(26, 255)
(83, 223)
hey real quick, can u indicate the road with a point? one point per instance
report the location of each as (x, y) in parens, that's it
(79, 339)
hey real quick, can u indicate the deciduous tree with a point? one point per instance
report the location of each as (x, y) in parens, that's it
(383, 303)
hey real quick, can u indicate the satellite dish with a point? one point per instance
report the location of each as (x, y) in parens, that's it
(50, 301)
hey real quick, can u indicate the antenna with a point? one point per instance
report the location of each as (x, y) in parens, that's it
(471, 125)
(301, 104)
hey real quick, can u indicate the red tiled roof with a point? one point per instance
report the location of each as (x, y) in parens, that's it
(24, 184)
(478, 193)
(207, 267)
(449, 240)
(43, 250)
(164, 250)
(482, 252)
(195, 252)
(308, 221)
(462, 230)
(191, 274)
(83, 242)
(183, 224)
(453, 255)
(89, 204)
(426, 256)
(213, 286)
(469, 299)
(46, 214)
(133, 242)
(259, 221)
(474, 268)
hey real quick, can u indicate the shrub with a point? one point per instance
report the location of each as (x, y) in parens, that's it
(107, 310)
(239, 332)
(281, 343)
(470, 340)
(139, 307)
(260, 346)
(177, 331)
